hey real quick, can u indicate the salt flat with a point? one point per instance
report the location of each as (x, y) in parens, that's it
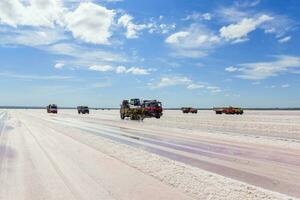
(99, 156)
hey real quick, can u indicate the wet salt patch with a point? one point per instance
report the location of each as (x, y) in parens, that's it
(194, 181)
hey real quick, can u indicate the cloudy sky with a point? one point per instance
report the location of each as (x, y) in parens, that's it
(200, 53)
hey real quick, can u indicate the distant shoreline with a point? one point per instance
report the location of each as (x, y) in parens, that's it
(93, 108)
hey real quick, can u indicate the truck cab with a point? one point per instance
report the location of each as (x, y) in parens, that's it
(52, 108)
(83, 110)
(152, 108)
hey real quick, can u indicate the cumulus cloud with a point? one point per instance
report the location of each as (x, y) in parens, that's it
(240, 30)
(263, 70)
(30, 13)
(132, 29)
(91, 23)
(162, 28)
(193, 42)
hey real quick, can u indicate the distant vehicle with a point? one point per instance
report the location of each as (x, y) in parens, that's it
(189, 110)
(132, 109)
(229, 110)
(83, 110)
(152, 108)
(52, 108)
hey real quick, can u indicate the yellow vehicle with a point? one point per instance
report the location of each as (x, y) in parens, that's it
(132, 109)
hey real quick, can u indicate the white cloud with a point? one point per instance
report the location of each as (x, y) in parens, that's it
(113, 1)
(59, 65)
(231, 69)
(279, 25)
(247, 3)
(195, 86)
(194, 37)
(198, 16)
(187, 53)
(285, 39)
(188, 83)
(33, 76)
(193, 42)
(160, 28)
(176, 37)
(256, 83)
(214, 89)
(132, 70)
(30, 13)
(263, 70)
(270, 86)
(131, 28)
(137, 71)
(285, 85)
(34, 37)
(172, 81)
(121, 69)
(91, 23)
(83, 56)
(241, 29)
(101, 68)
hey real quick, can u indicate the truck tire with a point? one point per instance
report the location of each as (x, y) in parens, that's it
(122, 116)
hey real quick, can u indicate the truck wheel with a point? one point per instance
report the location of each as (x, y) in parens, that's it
(122, 116)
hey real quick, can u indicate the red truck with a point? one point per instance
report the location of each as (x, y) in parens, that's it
(152, 108)
(189, 110)
(229, 110)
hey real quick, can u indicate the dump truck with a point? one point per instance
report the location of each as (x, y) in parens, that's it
(229, 110)
(52, 108)
(152, 108)
(189, 110)
(132, 109)
(83, 110)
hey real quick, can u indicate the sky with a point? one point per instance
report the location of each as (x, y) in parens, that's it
(200, 53)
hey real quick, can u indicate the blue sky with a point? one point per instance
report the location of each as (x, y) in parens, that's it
(185, 53)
